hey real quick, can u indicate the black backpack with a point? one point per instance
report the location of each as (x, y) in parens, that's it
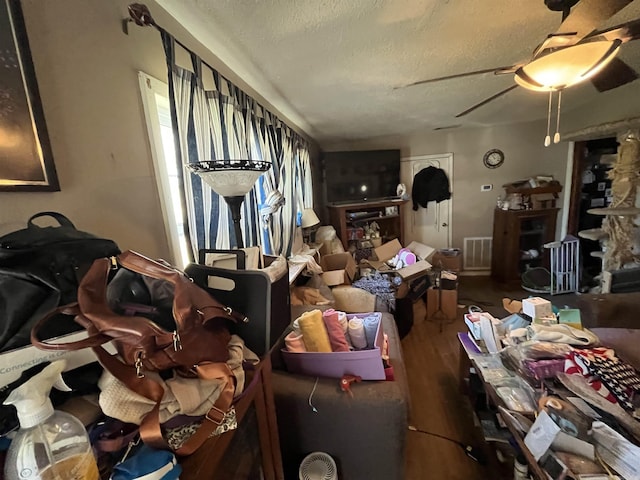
(40, 268)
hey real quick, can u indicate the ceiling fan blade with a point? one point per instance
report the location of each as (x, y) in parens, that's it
(484, 102)
(584, 18)
(626, 32)
(496, 71)
(614, 75)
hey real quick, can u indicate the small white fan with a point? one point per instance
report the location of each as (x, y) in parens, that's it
(318, 466)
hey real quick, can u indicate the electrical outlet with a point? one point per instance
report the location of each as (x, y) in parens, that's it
(486, 188)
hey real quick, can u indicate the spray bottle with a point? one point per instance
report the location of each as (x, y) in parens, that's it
(50, 445)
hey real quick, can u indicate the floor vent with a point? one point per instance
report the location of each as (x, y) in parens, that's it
(477, 253)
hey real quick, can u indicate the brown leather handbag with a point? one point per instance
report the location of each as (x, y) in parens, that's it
(197, 347)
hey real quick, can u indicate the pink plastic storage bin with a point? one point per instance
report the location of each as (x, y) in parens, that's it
(363, 363)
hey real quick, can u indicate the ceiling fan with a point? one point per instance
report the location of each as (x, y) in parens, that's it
(575, 52)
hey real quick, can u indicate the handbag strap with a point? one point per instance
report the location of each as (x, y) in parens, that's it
(212, 308)
(94, 339)
(215, 417)
(189, 299)
(150, 430)
(93, 313)
(62, 220)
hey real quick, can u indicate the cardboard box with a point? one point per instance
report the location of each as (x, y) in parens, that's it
(363, 363)
(543, 200)
(447, 259)
(387, 251)
(537, 307)
(474, 324)
(14, 362)
(417, 288)
(338, 269)
(570, 316)
(421, 250)
(449, 299)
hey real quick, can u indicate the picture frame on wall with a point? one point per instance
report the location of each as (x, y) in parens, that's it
(26, 160)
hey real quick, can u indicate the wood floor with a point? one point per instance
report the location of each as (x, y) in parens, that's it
(437, 405)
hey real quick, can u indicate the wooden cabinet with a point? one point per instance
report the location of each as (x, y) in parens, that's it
(517, 236)
(348, 216)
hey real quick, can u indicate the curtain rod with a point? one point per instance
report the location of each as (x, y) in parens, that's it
(140, 15)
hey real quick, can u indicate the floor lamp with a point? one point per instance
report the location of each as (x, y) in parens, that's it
(231, 179)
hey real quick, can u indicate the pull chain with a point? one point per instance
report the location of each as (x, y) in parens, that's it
(547, 139)
(556, 137)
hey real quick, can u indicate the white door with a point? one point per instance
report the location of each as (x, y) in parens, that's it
(431, 226)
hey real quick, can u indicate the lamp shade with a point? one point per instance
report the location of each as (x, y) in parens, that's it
(567, 66)
(309, 218)
(230, 178)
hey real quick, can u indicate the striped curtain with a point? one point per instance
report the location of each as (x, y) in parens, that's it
(226, 123)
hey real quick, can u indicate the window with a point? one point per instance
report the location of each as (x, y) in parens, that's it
(155, 99)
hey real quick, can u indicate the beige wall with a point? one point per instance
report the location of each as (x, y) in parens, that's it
(618, 105)
(525, 155)
(87, 75)
(86, 69)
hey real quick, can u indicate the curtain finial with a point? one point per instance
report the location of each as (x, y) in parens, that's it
(141, 15)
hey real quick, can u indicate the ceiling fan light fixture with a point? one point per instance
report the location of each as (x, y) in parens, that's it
(568, 66)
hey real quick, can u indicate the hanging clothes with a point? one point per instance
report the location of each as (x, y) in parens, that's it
(430, 184)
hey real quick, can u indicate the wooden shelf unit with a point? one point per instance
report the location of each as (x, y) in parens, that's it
(515, 231)
(391, 226)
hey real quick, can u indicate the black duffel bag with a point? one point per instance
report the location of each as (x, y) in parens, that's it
(40, 269)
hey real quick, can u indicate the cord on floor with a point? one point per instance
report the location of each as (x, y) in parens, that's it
(471, 451)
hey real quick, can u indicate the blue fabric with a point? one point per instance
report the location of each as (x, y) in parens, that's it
(144, 461)
(370, 324)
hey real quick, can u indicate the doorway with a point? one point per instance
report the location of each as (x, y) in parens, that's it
(590, 188)
(432, 225)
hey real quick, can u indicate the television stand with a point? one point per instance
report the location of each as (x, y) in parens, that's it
(348, 217)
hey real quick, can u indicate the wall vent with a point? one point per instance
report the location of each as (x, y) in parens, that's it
(477, 253)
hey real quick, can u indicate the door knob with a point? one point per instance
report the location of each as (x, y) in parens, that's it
(445, 224)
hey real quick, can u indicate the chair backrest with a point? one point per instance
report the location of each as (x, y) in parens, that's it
(265, 303)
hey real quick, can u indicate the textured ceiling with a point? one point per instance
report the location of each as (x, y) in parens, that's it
(332, 66)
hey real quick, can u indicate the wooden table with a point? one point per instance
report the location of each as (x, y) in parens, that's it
(206, 461)
(467, 353)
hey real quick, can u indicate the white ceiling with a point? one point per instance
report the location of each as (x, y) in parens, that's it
(332, 66)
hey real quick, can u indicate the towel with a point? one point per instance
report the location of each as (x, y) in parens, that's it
(344, 321)
(370, 324)
(295, 342)
(356, 333)
(562, 333)
(314, 333)
(295, 326)
(334, 329)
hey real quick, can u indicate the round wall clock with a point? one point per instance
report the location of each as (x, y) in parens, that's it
(493, 158)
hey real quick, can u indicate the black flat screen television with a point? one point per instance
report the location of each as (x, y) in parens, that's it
(361, 175)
